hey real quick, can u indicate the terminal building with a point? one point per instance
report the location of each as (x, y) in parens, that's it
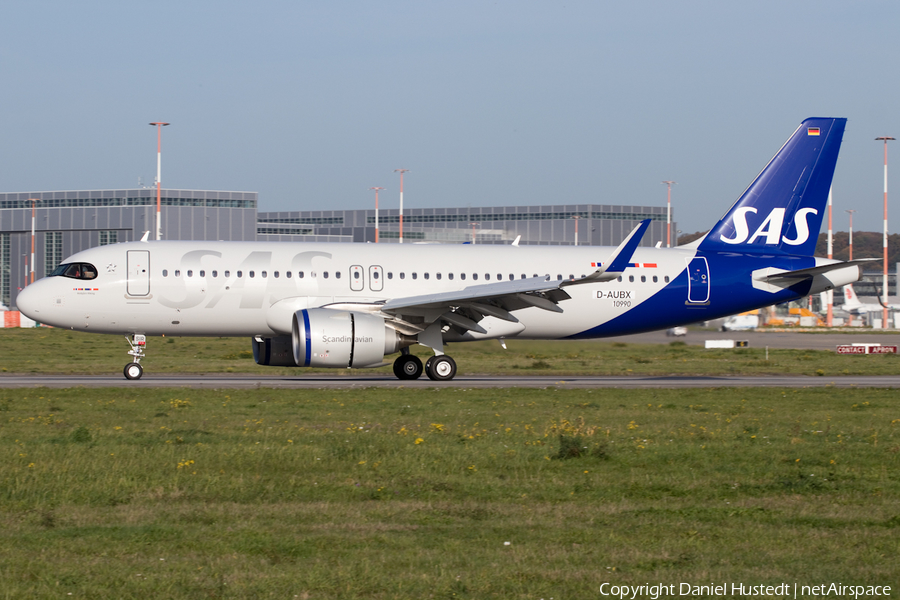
(67, 222)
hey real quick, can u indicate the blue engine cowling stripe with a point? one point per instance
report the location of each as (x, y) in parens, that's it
(308, 358)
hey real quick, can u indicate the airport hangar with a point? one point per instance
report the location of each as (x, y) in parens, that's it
(67, 222)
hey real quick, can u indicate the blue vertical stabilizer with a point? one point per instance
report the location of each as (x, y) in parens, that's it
(782, 210)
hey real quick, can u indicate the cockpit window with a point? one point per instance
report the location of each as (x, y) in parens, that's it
(75, 271)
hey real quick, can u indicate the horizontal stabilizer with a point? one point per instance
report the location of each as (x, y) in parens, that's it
(800, 274)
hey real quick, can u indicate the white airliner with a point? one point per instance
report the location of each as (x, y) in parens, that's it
(351, 305)
(852, 304)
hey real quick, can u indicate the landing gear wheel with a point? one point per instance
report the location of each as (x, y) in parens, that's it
(440, 368)
(133, 371)
(408, 366)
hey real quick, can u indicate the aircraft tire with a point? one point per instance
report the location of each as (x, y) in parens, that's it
(407, 367)
(440, 368)
(133, 371)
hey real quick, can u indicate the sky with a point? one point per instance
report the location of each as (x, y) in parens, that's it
(514, 102)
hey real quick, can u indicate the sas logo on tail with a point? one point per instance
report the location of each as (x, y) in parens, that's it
(770, 229)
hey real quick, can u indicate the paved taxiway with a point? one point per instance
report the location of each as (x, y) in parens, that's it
(345, 382)
(787, 339)
(772, 339)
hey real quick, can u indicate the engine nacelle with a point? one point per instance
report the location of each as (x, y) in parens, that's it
(322, 337)
(274, 352)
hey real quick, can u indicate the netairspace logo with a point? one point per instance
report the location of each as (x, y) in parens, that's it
(735, 590)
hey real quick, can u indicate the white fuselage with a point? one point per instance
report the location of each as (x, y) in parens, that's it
(247, 288)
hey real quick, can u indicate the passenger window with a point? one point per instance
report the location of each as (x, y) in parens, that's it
(337, 274)
(325, 274)
(462, 276)
(558, 277)
(619, 279)
(227, 273)
(300, 274)
(202, 273)
(264, 274)
(375, 275)
(275, 274)
(415, 275)
(487, 276)
(240, 274)
(523, 275)
(437, 276)
(165, 272)
(252, 274)
(655, 279)
(643, 279)
(474, 275)
(190, 273)
(631, 278)
(450, 276)
(390, 274)
(511, 276)
(571, 277)
(666, 279)
(426, 276)
(402, 275)
(177, 272)
(287, 274)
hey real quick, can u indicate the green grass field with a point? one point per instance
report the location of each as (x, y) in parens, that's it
(48, 350)
(451, 493)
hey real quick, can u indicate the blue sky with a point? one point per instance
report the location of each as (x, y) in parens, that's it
(487, 103)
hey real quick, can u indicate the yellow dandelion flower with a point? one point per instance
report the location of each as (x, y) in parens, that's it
(419, 441)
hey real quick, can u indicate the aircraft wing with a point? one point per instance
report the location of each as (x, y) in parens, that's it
(463, 309)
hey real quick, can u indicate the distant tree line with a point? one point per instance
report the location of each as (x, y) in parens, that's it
(866, 244)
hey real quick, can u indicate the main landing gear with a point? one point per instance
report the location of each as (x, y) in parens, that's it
(438, 368)
(138, 342)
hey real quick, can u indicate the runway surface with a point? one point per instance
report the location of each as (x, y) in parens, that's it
(218, 381)
(785, 339)
(772, 339)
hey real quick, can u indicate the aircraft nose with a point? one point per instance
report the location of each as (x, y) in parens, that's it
(28, 301)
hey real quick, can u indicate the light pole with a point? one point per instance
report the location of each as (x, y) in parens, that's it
(669, 185)
(159, 125)
(884, 322)
(377, 189)
(401, 171)
(829, 318)
(850, 240)
(576, 217)
(33, 202)
(473, 230)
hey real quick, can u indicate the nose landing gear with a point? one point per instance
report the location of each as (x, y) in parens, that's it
(138, 342)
